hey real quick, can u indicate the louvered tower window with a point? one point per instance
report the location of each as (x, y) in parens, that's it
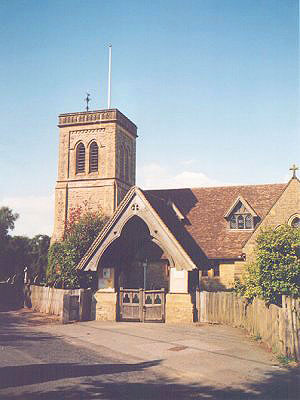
(93, 157)
(80, 158)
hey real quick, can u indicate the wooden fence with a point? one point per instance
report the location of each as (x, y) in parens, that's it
(278, 327)
(61, 302)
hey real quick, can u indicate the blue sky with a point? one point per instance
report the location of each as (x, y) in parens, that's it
(212, 86)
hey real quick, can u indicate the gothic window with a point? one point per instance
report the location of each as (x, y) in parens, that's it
(80, 158)
(233, 223)
(240, 217)
(241, 222)
(295, 222)
(93, 161)
(248, 221)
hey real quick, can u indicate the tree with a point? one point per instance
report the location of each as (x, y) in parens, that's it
(276, 269)
(16, 252)
(39, 246)
(81, 229)
(7, 221)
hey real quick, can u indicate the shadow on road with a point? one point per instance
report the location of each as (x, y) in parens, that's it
(25, 317)
(39, 373)
(278, 386)
(84, 377)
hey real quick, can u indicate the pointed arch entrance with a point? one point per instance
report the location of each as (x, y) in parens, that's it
(141, 272)
(132, 252)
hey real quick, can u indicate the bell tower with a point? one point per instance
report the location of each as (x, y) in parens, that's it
(97, 162)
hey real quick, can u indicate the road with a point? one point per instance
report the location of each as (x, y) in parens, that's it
(41, 359)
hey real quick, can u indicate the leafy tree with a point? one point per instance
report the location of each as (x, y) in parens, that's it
(81, 229)
(39, 246)
(7, 221)
(276, 270)
(16, 252)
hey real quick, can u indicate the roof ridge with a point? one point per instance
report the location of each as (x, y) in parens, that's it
(215, 187)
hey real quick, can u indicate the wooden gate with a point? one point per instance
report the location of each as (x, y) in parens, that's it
(142, 305)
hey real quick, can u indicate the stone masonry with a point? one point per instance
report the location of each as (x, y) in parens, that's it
(101, 190)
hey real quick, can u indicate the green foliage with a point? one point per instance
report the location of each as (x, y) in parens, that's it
(16, 252)
(285, 360)
(276, 270)
(39, 246)
(257, 338)
(20, 251)
(80, 232)
(7, 221)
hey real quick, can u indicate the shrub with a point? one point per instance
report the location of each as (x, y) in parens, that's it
(80, 232)
(276, 269)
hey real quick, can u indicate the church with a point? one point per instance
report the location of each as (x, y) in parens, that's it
(158, 246)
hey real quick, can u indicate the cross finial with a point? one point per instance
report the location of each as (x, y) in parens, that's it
(87, 99)
(294, 168)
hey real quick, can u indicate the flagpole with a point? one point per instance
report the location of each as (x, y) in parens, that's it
(109, 77)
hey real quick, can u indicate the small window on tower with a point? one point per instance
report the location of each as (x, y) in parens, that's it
(93, 157)
(80, 158)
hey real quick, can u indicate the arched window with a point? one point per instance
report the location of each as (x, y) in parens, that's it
(122, 172)
(240, 217)
(80, 158)
(241, 222)
(126, 164)
(295, 222)
(248, 221)
(93, 160)
(233, 223)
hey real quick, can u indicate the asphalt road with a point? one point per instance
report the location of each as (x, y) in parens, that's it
(40, 359)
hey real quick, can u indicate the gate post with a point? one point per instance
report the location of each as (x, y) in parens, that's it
(141, 305)
(198, 305)
(163, 304)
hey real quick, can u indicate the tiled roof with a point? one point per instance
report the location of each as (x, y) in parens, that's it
(204, 229)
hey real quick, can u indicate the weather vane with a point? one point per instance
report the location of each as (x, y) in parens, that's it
(87, 99)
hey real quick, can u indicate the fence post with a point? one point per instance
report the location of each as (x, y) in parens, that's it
(65, 315)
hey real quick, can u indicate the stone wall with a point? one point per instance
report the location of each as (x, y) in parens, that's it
(98, 190)
(278, 327)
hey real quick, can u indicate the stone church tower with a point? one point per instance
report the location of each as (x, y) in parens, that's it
(96, 166)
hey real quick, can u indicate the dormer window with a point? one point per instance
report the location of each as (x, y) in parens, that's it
(241, 215)
(241, 221)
